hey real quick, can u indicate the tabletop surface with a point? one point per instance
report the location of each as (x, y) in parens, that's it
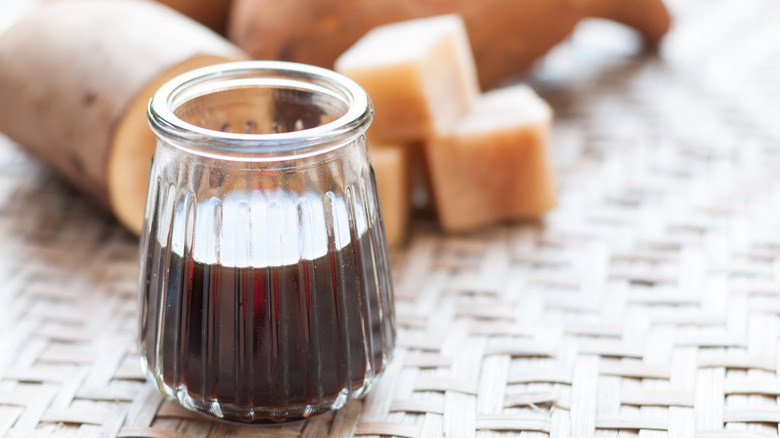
(646, 303)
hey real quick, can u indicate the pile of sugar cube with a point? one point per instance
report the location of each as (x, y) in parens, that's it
(484, 155)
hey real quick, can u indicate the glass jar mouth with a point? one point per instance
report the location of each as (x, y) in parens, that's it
(342, 106)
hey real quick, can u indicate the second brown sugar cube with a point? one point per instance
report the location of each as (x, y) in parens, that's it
(494, 165)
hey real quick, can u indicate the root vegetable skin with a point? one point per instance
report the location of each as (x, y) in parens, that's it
(211, 13)
(72, 74)
(507, 35)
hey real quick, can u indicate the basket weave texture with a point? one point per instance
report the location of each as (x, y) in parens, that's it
(646, 304)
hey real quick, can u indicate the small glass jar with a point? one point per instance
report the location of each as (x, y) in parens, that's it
(265, 285)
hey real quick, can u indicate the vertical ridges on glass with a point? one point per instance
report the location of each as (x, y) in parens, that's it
(353, 202)
(190, 216)
(210, 322)
(332, 227)
(376, 247)
(172, 298)
(243, 307)
(380, 253)
(281, 338)
(164, 236)
(147, 269)
(307, 292)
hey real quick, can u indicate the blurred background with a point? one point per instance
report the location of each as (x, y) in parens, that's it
(662, 253)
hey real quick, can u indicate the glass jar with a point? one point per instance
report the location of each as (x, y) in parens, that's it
(265, 286)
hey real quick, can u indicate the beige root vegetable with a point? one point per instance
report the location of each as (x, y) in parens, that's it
(75, 78)
(506, 35)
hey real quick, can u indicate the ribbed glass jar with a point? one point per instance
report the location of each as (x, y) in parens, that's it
(265, 286)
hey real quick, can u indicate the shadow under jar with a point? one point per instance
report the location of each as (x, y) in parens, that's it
(265, 285)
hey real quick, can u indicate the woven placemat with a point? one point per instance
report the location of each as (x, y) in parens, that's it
(647, 303)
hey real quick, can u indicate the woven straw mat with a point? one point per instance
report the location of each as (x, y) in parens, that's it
(646, 304)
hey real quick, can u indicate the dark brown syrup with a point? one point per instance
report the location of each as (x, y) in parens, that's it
(272, 343)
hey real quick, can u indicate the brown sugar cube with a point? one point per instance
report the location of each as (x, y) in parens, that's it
(420, 75)
(390, 163)
(494, 166)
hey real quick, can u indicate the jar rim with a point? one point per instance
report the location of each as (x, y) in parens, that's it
(259, 147)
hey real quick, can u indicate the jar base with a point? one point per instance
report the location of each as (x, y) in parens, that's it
(251, 415)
